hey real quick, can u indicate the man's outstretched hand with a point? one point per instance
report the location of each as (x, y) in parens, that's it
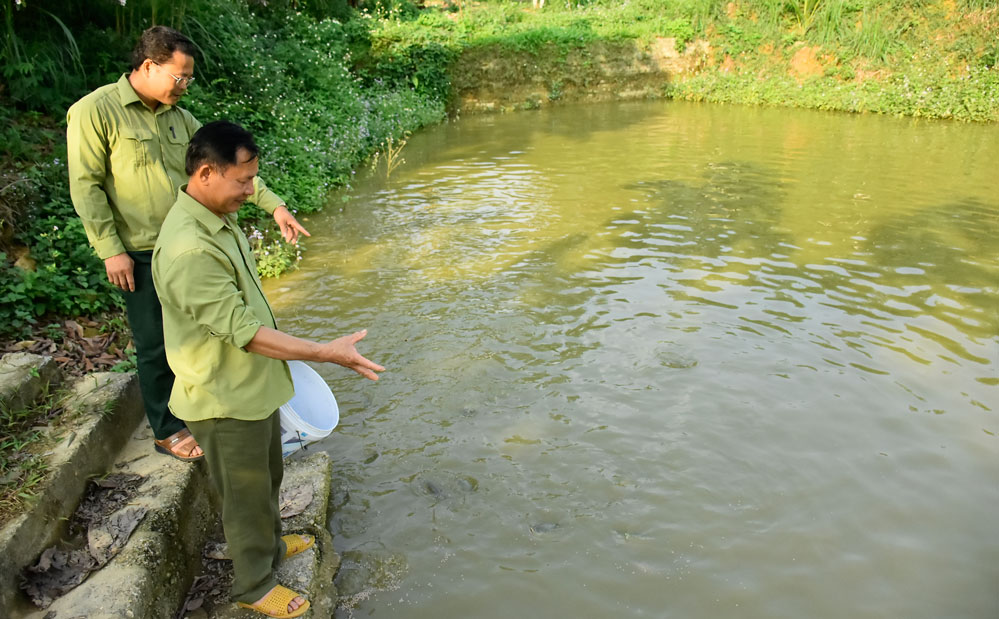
(342, 351)
(290, 228)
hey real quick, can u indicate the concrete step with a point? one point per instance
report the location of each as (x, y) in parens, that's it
(311, 573)
(100, 412)
(24, 377)
(151, 576)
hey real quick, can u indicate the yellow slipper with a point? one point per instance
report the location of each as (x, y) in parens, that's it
(296, 543)
(275, 604)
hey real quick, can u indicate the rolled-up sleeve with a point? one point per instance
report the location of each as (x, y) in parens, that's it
(86, 145)
(202, 284)
(264, 197)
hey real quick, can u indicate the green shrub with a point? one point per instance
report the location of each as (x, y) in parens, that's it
(286, 75)
(69, 279)
(297, 93)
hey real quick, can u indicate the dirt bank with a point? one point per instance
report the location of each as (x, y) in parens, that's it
(495, 78)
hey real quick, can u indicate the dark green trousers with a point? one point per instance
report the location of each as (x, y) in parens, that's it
(145, 317)
(244, 461)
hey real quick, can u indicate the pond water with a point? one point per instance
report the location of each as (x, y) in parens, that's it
(666, 360)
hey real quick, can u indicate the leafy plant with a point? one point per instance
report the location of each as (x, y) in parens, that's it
(390, 151)
(68, 279)
(272, 255)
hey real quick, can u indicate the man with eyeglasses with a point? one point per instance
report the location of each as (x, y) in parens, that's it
(126, 145)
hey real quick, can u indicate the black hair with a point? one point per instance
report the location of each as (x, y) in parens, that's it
(217, 145)
(159, 44)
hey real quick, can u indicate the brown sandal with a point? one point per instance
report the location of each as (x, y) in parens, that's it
(179, 445)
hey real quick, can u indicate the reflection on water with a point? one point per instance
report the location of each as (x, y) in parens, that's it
(667, 360)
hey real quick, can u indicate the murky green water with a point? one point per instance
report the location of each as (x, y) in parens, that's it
(667, 360)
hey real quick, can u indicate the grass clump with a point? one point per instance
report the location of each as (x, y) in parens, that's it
(22, 466)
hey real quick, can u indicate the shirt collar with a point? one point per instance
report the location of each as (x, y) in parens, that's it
(128, 95)
(212, 222)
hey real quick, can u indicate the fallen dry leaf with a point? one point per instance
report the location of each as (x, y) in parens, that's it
(73, 327)
(295, 500)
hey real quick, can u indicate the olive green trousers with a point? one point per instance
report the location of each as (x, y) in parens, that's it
(244, 461)
(145, 318)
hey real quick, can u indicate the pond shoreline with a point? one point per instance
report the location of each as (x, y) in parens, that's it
(495, 78)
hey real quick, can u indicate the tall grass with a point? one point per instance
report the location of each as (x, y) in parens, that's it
(39, 68)
(805, 12)
(878, 37)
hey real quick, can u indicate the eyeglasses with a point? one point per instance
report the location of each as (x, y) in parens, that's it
(177, 79)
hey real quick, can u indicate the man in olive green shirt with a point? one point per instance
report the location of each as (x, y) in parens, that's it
(126, 146)
(229, 359)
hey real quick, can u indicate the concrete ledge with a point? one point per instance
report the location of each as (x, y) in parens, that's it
(101, 413)
(151, 575)
(312, 572)
(24, 377)
(320, 566)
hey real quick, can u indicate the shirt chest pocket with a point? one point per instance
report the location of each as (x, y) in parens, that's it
(136, 146)
(175, 147)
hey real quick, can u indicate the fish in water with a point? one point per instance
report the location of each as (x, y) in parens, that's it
(468, 484)
(446, 486)
(677, 361)
(433, 489)
(544, 527)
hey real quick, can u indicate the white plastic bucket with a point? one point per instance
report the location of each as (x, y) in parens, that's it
(311, 414)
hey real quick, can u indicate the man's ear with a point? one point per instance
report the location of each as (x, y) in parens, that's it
(204, 173)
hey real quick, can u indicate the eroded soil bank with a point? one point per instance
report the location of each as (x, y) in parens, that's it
(494, 78)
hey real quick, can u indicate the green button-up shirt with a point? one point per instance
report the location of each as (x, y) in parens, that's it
(126, 163)
(213, 305)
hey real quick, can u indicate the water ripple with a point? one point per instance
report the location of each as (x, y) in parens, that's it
(713, 373)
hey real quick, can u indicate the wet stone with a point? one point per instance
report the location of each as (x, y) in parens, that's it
(364, 572)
